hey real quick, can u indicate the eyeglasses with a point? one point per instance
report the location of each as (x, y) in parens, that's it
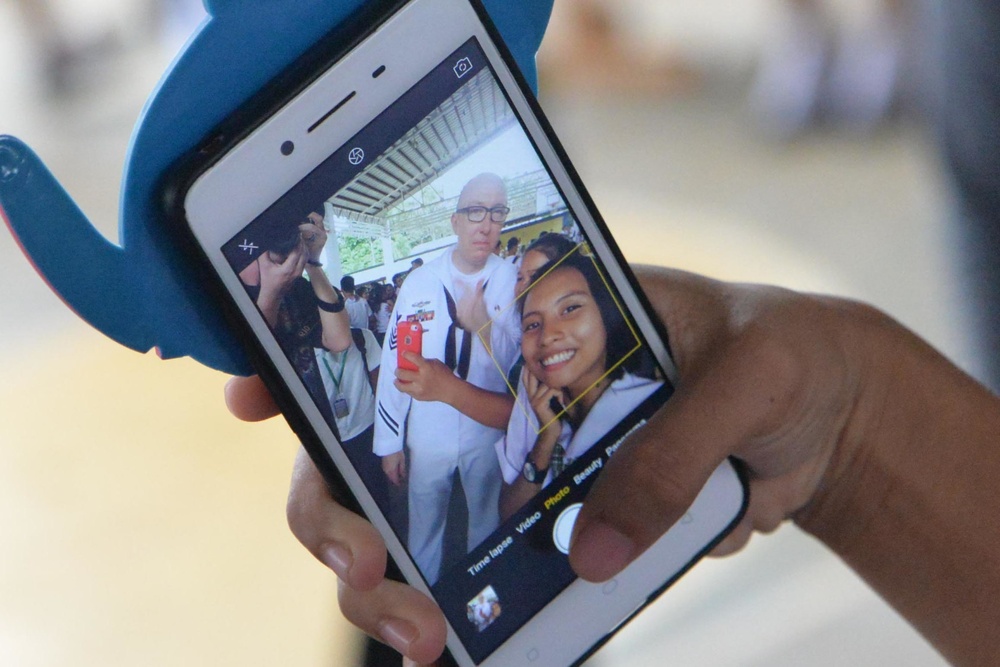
(476, 214)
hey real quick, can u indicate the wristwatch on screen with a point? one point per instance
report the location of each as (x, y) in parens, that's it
(533, 474)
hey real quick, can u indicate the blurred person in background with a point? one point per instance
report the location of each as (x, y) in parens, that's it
(968, 123)
(64, 56)
(845, 67)
(384, 298)
(511, 253)
(357, 308)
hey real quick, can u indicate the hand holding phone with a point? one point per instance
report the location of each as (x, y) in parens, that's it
(703, 312)
(409, 338)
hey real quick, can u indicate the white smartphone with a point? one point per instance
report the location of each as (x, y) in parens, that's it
(419, 165)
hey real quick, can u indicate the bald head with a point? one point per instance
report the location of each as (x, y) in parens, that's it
(476, 240)
(485, 186)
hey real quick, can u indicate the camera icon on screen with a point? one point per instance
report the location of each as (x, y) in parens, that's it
(463, 67)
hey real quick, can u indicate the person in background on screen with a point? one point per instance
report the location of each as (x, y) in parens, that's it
(357, 308)
(304, 314)
(511, 252)
(385, 299)
(577, 381)
(462, 300)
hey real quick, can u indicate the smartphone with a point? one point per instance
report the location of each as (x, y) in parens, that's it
(409, 337)
(417, 138)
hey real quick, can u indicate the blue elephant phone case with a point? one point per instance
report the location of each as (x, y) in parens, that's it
(141, 293)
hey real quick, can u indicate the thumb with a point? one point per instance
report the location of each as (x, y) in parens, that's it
(657, 474)
(416, 360)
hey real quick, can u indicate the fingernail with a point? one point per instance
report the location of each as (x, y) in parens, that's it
(338, 558)
(600, 552)
(398, 634)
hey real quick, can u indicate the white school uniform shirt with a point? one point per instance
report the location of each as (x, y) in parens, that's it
(401, 420)
(359, 311)
(354, 383)
(620, 398)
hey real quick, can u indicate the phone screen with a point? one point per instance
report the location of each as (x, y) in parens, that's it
(443, 213)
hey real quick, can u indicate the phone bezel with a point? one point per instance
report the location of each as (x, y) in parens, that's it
(204, 197)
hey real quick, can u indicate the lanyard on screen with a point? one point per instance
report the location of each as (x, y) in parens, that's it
(340, 378)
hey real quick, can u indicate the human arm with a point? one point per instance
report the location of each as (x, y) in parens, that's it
(513, 496)
(851, 426)
(848, 424)
(336, 325)
(434, 381)
(392, 405)
(276, 278)
(394, 467)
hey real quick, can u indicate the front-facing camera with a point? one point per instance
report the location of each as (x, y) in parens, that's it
(287, 148)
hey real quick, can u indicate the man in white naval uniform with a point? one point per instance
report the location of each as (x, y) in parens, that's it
(448, 415)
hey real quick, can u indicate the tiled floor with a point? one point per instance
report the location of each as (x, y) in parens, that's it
(141, 525)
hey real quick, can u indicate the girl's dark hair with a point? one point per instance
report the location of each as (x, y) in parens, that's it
(378, 293)
(554, 246)
(620, 338)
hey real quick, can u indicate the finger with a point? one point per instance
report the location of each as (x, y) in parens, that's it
(734, 541)
(407, 387)
(657, 473)
(416, 360)
(390, 473)
(406, 375)
(399, 615)
(529, 385)
(342, 540)
(409, 663)
(545, 395)
(300, 262)
(248, 399)
(530, 381)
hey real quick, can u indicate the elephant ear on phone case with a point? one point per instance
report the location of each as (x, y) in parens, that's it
(143, 292)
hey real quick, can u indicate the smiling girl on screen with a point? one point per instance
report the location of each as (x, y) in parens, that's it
(575, 386)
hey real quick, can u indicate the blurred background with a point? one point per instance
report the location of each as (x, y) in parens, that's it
(779, 141)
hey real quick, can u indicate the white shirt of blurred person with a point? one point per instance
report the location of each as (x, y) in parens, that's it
(571, 231)
(455, 297)
(349, 380)
(574, 336)
(387, 295)
(357, 308)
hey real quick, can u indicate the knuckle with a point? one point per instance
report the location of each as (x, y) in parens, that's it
(774, 369)
(668, 489)
(354, 607)
(659, 490)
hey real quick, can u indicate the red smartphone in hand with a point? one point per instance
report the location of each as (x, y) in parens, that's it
(409, 338)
